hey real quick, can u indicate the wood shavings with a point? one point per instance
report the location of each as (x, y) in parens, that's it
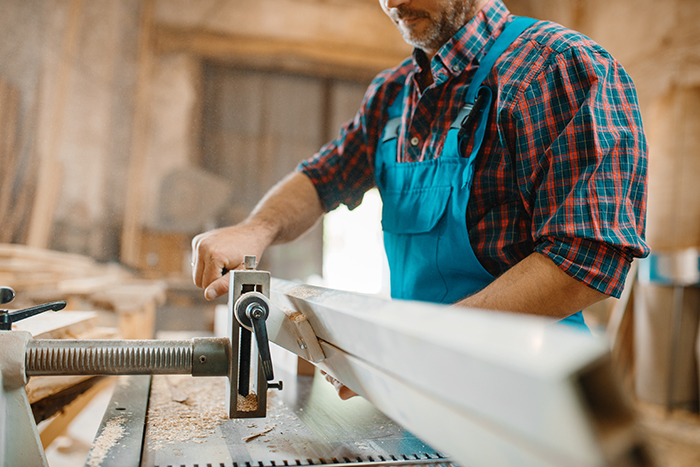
(194, 419)
(303, 291)
(108, 438)
(248, 403)
(255, 435)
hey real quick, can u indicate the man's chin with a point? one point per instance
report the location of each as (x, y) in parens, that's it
(418, 39)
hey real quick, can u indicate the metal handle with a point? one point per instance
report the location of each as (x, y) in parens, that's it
(252, 309)
(258, 315)
(8, 317)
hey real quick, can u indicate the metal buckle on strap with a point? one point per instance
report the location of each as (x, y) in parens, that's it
(462, 117)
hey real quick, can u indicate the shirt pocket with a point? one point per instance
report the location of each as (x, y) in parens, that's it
(414, 211)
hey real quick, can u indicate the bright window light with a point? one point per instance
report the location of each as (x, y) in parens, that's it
(353, 248)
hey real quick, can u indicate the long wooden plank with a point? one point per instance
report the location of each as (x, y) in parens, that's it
(540, 388)
(9, 108)
(312, 58)
(131, 231)
(467, 437)
(50, 170)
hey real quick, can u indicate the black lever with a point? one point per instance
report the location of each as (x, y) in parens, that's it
(258, 314)
(8, 317)
(252, 312)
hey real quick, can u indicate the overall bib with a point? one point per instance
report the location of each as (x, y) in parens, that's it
(425, 203)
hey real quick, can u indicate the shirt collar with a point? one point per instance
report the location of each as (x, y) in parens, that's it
(467, 44)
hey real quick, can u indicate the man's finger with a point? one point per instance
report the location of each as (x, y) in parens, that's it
(343, 391)
(217, 288)
(197, 263)
(211, 271)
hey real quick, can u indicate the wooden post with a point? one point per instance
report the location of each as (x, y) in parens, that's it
(50, 170)
(131, 231)
(9, 105)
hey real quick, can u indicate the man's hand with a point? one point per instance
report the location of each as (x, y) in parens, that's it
(343, 391)
(288, 210)
(220, 249)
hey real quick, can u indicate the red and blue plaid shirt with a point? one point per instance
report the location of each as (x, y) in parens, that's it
(562, 170)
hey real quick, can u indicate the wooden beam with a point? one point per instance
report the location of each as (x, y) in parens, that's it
(131, 231)
(313, 57)
(9, 109)
(50, 175)
(485, 387)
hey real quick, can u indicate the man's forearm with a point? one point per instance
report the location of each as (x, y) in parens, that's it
(288, 210)
(536, 286)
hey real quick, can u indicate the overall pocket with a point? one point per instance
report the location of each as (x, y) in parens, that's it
(411, 224)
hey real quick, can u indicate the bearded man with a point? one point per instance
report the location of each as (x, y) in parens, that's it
(511, 161)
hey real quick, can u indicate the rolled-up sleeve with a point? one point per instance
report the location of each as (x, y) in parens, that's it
(343, 170)
(583, 166)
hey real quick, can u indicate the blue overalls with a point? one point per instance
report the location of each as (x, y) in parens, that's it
(425, 203)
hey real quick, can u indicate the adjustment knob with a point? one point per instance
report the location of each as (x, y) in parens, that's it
(6, 295)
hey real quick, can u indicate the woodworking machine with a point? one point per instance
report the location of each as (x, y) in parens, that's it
(233, 357)
(454, 385)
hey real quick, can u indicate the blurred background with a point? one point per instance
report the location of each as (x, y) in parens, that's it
(129, 126)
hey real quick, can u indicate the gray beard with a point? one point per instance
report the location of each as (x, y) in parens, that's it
(442, 28)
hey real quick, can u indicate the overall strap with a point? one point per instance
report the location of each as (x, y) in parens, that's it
(510, 33)
(479, 97)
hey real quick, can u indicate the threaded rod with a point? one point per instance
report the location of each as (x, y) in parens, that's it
(108, 357)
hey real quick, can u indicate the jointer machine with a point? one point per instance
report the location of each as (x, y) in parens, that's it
(439, 386)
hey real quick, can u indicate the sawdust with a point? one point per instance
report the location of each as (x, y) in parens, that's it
(294, 316)
(108, 438)
(248, 403)
(303, 291)
(193, 419)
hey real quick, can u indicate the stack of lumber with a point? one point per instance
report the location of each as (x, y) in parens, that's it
(93, 292)
(39, 275)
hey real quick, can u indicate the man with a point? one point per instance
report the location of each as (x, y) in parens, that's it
(533, 202)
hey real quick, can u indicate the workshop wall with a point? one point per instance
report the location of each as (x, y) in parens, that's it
(113, 118)
(79, 119)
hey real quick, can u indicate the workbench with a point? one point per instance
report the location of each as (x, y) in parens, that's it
(181, 421)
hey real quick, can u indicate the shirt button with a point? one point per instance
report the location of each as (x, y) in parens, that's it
(415, 141)
(455, 68)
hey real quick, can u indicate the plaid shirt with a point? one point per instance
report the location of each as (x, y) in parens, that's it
(562, 170)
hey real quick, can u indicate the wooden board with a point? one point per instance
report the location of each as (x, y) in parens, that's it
(523, 386)
(60, 325)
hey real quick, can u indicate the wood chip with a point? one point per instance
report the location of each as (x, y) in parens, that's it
(255, 435)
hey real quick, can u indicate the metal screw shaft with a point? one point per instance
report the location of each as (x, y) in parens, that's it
(108, 357)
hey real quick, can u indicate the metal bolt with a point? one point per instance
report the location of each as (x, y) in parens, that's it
(249, 261)
(254, 310)
(302, 344)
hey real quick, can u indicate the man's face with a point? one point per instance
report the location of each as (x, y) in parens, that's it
(428, 24)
